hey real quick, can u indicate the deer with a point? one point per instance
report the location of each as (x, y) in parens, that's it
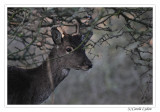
(34, 86)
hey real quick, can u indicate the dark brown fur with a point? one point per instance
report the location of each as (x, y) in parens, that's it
(33, 86)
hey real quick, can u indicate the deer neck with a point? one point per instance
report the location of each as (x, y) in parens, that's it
(54, 69)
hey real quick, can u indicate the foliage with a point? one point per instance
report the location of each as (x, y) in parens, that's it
(29, 34)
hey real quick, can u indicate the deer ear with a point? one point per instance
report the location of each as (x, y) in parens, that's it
(87, 35)
(56, 36)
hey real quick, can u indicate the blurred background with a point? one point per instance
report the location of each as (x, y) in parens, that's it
(120, 50)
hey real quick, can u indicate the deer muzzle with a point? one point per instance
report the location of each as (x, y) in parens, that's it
(86, 65)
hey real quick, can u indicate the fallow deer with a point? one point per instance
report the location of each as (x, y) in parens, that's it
(34, 86)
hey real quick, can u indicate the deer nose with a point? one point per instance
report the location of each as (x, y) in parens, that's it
(89, 64)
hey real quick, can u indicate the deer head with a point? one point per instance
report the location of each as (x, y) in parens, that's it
(66, 47)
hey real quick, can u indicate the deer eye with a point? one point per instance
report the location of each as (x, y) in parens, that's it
(69, 48)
